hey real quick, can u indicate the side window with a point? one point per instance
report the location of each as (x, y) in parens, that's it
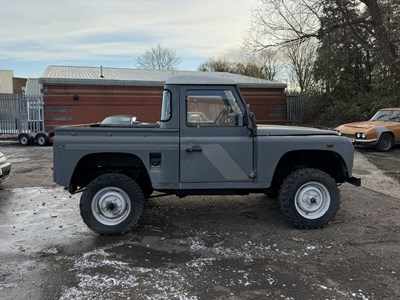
(210, 108)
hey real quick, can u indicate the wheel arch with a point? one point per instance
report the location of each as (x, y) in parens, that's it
(328, 161)
(387, 132)
(93, 165)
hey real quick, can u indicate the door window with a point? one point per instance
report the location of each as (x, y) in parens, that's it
(210, 108)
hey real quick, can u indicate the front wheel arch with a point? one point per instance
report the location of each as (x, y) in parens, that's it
(328, 161)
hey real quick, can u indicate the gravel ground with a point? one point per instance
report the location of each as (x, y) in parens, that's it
(225, 247)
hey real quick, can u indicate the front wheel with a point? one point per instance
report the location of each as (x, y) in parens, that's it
(24, 139)
(385, 142)
(111, 204)
(309, 198)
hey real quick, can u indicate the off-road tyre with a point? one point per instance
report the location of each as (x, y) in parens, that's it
(111, 204)
(309, 198)
(385, 142)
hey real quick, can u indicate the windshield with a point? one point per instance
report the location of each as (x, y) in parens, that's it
(387, 115)
(166, 106)
(120, 120)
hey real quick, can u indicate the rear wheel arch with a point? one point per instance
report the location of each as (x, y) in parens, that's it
(94, 165)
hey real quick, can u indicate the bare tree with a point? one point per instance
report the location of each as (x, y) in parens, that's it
(260, 65)
(301, 65)
(281, 23)
(159, 58)
(269, 61)
(216, 65)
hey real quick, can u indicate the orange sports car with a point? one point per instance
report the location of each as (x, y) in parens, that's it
(382, 131)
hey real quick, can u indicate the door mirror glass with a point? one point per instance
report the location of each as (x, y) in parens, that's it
(240, 119)
(166, 107)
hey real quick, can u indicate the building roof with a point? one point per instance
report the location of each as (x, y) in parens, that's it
(130, 77)
(199, 78)
(33, 87)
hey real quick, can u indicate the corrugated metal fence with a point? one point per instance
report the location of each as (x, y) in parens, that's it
(21, 114)
(295, 107)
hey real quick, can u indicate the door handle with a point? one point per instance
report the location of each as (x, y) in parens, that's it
(194, 149)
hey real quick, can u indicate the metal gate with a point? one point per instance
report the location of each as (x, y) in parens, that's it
(295, 107)
(21, 114)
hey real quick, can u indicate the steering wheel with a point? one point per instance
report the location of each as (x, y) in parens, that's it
(223, 117)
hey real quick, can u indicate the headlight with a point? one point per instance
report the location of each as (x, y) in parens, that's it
(360, 135)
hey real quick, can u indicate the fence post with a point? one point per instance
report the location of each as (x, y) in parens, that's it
(18, 113)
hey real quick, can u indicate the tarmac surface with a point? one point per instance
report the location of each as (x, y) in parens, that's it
(214, 247)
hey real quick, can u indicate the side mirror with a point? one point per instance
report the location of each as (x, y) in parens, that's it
(240, 120)
(252, 126)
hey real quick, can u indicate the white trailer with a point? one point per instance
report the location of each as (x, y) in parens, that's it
(22, 119)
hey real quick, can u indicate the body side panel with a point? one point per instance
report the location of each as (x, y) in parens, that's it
(71, 145)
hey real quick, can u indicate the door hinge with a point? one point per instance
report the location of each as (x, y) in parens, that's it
(252, 174)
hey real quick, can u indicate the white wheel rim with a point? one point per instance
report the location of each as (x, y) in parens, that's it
(111, 206)
(24, 140)
(41, 140)
(312, 200)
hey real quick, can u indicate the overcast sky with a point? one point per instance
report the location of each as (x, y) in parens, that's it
(37, 33)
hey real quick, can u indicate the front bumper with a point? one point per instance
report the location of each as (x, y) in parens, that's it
(361, 142)
(364, 141)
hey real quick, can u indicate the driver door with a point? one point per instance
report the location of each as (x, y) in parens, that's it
(215, 144)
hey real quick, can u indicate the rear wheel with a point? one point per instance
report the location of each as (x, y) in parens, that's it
(112, 204)
(309, 198)
(42, 139)
(385, 142)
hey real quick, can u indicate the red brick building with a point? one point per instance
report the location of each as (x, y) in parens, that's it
(81, 95)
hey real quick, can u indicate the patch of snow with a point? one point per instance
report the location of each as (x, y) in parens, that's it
(249, 251)
(122, 280)
(347, 294)
(200, 263)
(309, 249)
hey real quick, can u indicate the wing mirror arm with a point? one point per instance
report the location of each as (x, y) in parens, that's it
(252, 125)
